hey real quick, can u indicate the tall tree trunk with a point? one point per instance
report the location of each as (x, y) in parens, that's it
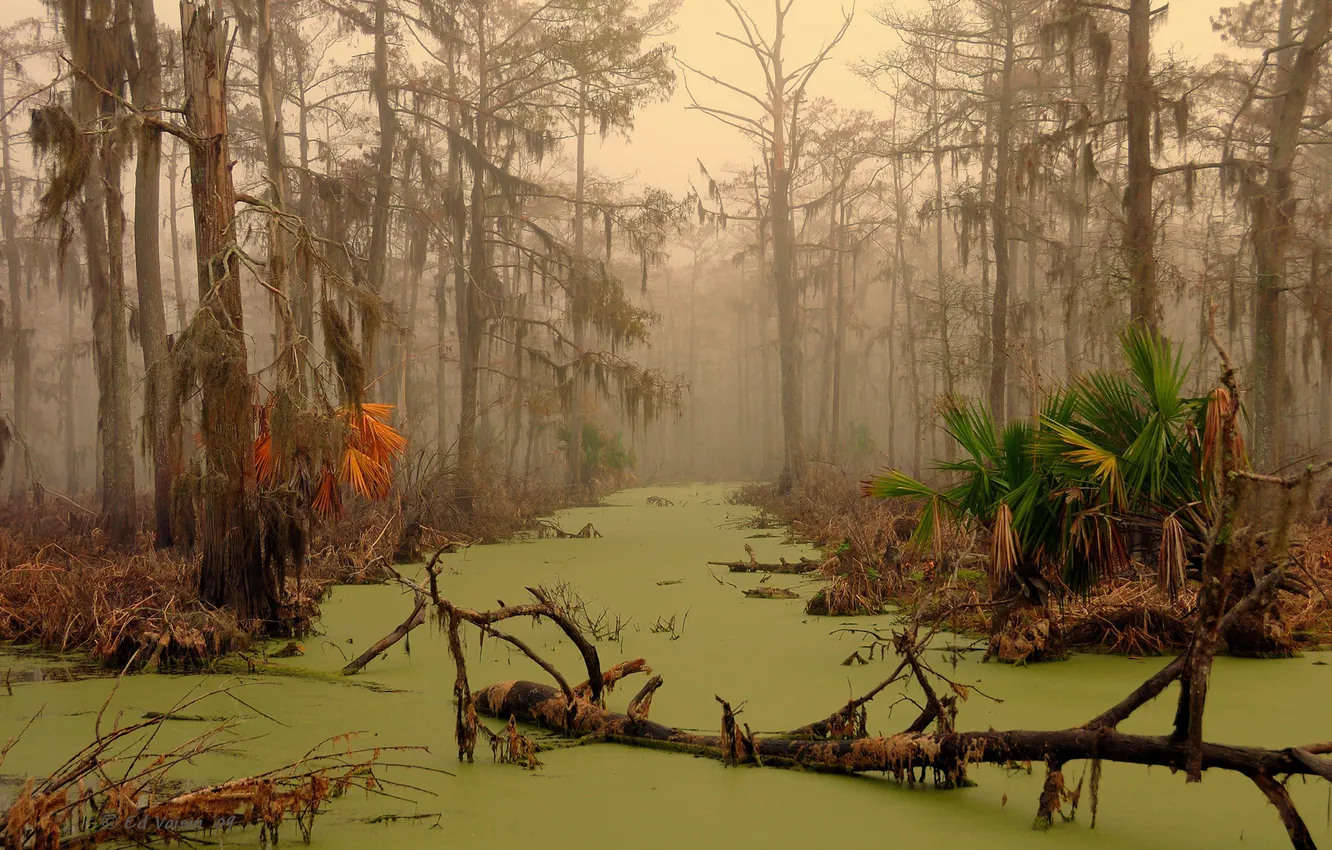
(13, 264)
(233, 573)
(147, 85)
(574, 477)
(381, 214)
(178, 277)
(73, 285)
(441, 349)
(821, 434)
(1139, 227)
(839, 336)
(1273, 213)
(473, 293)
(88, 31)
(303, 291)
(987, 152)
(1030, 310)
(999, 216)
(789, 328)
(275, 157)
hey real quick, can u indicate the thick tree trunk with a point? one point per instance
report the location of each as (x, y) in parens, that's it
(303, 291)
(233, 573)
(1273, 213)
(88, 32)
(1139, 226)
(14, 270)
(147, 84)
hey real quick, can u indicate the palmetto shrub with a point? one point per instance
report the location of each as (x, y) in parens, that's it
(1110, 454)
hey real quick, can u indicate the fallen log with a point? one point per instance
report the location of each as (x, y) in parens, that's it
(948, 753)
(804, 565)
(784, 567)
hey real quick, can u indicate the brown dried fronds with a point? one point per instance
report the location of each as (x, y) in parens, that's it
(115, 790)
(68, 592)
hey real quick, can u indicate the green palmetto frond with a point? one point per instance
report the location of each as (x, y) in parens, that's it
(1100, 462)
(936, 506)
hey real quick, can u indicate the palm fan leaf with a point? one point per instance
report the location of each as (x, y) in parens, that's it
(327, 501)
(265, 462)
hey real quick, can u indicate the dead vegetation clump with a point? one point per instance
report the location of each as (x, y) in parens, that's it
(79, 595)
(871, 566)
(119, 790)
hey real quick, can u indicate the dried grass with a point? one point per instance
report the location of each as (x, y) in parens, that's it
(79, 595)
(119, 790)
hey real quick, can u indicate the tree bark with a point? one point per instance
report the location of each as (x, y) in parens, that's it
(574, 476)
(789, 325)
(275, 156)
(90, 34)
(1139, 226)
(379, 221)
(999, 221)
(1273, 214)
(233, 573)
(473, 294)
(147, 85)
(14, 271)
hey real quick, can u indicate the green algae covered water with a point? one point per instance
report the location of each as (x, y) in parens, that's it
(785, 667)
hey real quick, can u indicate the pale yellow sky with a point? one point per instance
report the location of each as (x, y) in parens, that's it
(669, 139)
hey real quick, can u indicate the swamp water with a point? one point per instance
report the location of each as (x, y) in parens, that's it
(785, 667)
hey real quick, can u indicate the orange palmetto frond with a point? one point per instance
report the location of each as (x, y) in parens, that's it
(365, 463)
(265, 464)
(381, 441)
(372, 447)
(367, 477)
(327, 501)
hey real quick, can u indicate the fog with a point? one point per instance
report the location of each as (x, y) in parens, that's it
(561, 242)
